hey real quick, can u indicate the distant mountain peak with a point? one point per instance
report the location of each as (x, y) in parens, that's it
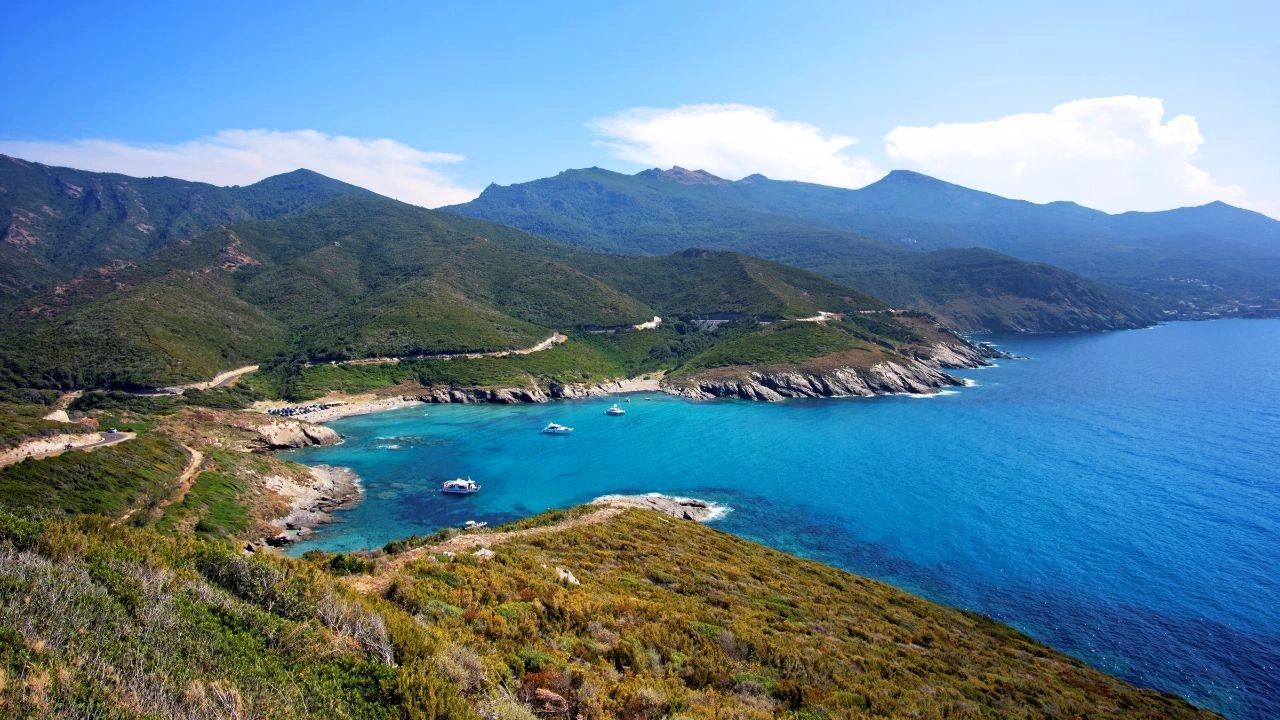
(309, 181)
(901, 177)
(686, 177)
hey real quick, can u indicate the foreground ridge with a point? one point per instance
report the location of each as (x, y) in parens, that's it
(595, 612)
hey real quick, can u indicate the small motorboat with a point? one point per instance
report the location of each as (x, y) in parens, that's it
(473, 525)
(461, 487)
(615, 410)
(557, 429)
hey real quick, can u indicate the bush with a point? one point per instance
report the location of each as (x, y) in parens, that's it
(424, 695)
(343, 564)
(259, 582)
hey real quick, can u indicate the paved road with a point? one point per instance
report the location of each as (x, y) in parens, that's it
(14, 455)
(109, 438)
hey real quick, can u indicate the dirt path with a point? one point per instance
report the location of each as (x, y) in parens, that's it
(547, 344)
(194, 460)
(821, 317)
(380, 580)
(229, 377)
(59, 411)
(185, 478)
(55, 445)
(222, 379)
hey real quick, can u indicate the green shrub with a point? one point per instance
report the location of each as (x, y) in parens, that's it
(343, 564)
(258, 581)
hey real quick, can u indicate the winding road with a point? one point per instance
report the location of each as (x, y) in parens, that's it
(54, 445)
(547, 344)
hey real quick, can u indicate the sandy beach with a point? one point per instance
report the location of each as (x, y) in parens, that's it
(644, 383)
(340, 406)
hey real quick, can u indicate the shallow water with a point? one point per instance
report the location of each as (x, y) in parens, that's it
(1114, 495)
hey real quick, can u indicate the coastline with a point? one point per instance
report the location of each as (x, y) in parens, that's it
(685, 508)
(916, 376)
(312, 505)
(924, 379)
(335, 406)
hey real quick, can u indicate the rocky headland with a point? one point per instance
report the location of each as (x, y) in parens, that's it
(311, 501)
(678, 507)
(924, 373)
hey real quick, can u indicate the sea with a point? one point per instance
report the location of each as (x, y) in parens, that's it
(1114, 495)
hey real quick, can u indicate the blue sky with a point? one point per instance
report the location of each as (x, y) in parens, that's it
(522, 91)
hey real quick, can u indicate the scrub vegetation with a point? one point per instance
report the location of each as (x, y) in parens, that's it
(670, 619)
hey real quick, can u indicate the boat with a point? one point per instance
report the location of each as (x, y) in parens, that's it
(557, 429)
(615, 410)
(461, 487)
(473, 525)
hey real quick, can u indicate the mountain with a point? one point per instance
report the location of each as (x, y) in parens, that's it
(659, 211)
(59, 222)
(339, 274)
(1209, 259)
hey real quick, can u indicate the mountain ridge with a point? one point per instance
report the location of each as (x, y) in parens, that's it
(651, 213)
(302, 271)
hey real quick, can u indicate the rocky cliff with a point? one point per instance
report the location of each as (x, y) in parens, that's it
(922, 374)
(514, 395)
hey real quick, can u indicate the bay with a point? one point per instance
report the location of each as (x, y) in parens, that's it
(1115, 495)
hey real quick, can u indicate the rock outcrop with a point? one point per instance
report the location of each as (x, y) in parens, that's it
(677, 507)
(953, 355)
(920, 375)
(511, 396)
(283, 434)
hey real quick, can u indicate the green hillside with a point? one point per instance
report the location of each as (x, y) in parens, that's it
(660, 212)
(56, 222)
(362, 276)
(978, 289)
(724, 284)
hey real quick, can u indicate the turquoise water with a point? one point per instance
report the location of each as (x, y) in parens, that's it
(1116, 496)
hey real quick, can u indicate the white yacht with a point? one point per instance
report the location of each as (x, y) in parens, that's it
(461, 487)
(474, 525)
(557, 429)
(615, 410)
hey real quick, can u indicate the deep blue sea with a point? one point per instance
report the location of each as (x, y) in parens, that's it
(1115, 495)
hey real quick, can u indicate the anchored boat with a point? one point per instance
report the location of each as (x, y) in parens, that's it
(461, 487)
(615, 410)
(557, 429)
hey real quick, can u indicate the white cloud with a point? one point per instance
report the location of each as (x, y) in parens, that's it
(1113, 153)
(734, 141)
(241, 157)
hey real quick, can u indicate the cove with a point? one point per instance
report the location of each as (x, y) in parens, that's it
(1115, 495)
